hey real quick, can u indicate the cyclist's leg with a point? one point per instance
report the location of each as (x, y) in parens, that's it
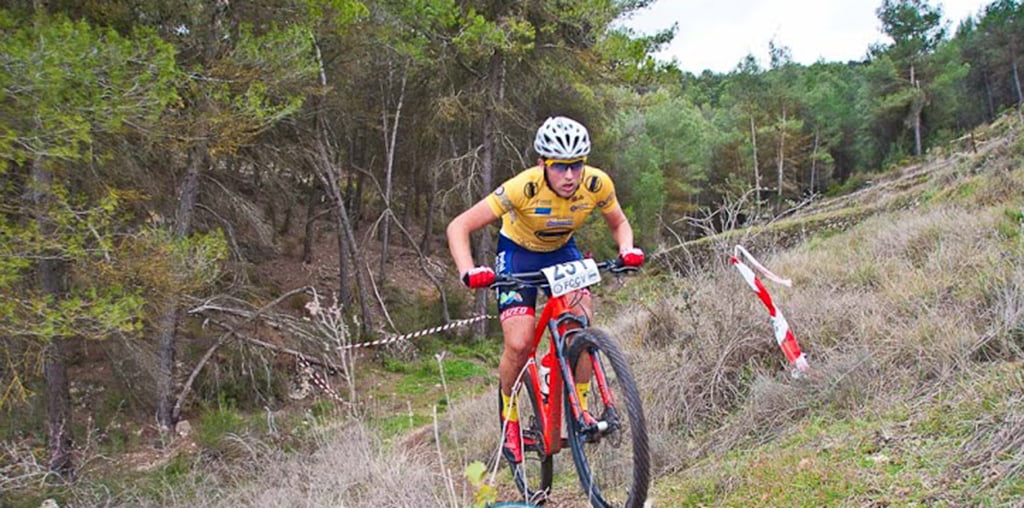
(518, 331)
(517, 317)
(516, 307)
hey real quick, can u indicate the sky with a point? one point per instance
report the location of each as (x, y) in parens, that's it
(717, 34)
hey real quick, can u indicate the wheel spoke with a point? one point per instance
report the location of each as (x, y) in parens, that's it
(613, 464)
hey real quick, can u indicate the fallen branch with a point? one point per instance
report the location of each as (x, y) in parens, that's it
(324, 364)
(231, 331)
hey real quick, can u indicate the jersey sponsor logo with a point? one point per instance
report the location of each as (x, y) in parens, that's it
(530, 189)
(509, 297)
(561, 221)
(499, 191)
(543, 211)
(575, 198)
(579, 207)
(594, 184)
(547, 234)
(610, 200)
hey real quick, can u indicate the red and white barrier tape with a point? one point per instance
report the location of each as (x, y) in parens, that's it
(783, 335)
(307, 369)
(413, 335)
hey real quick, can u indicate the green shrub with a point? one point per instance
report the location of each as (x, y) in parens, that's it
(215, 424)
(855, 182)
(396, 366)
(1012, 222)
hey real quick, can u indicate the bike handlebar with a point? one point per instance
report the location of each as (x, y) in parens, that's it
(538, 280)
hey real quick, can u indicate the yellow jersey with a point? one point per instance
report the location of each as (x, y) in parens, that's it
(538, 219)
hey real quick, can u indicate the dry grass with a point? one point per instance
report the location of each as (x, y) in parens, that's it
(889, 313)
(349, 467)
(904, 300)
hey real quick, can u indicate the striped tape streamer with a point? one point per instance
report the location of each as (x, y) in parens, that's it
(307, 370)
(783, 335)
(414, 335)
(310, 373)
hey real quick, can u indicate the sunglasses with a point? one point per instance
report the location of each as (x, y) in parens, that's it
(562, 166)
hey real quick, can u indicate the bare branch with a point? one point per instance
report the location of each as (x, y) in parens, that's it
(220, 341)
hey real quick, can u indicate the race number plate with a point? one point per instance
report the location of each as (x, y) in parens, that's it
(571, 276)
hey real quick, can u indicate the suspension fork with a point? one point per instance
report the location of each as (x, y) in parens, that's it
(562, 330)
(607, 397)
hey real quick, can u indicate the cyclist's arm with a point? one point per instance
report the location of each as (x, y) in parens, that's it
(459, 229)
(622, 232)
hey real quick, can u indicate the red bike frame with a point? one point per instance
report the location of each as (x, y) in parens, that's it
(559, 319)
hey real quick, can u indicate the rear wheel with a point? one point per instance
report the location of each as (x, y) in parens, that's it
(612, 456)
(533, 475)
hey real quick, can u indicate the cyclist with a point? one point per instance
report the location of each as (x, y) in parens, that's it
(540, 208)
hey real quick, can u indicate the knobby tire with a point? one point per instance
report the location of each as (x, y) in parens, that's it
(614, 467)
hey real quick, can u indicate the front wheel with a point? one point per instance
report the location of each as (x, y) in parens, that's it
(611, 452)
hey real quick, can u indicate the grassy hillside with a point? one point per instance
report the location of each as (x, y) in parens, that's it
(912, 316)
(908, 299)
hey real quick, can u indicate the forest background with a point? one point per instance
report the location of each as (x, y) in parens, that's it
(158, 156)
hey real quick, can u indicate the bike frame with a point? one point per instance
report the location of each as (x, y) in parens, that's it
(561, 323)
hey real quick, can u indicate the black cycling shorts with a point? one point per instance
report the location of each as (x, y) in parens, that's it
(513, 258)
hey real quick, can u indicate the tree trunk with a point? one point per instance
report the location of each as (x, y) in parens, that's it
(310, 229)
(495, 93)
(289, 212)
(782, 153)
(389, 146)
(55, 371)
(425, 243)
(918, 106)
(58, 400)
(330, 177)
(355, 207)
(814, 159)
(1016, 83)
(351, 184)
(167, 322)
(757, 170)
(990, 100)
(918, 150)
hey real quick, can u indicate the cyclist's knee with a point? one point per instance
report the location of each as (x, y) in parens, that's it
(518, 335)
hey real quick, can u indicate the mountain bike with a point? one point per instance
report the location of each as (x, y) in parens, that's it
(608, 440)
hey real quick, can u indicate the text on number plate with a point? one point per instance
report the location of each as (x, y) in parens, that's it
(567, 277)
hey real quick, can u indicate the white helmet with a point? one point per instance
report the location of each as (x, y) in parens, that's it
(562, 138)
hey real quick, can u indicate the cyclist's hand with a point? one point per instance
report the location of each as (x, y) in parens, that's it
(479, 277)
(632, 257)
